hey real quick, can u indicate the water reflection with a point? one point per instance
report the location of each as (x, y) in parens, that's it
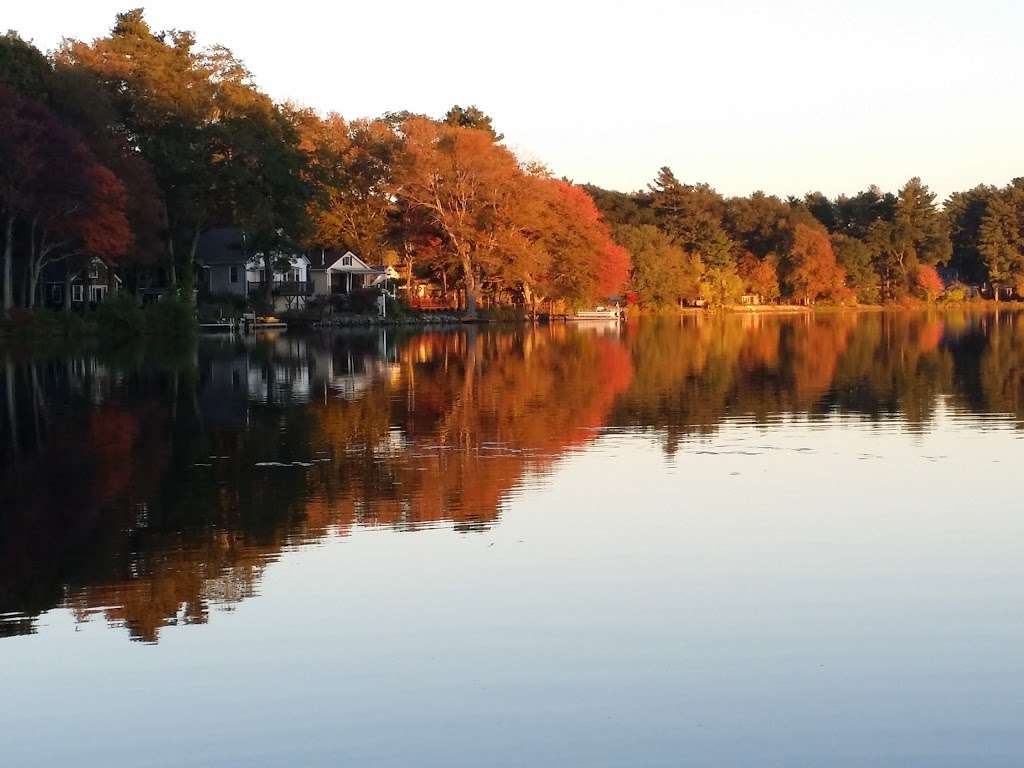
(147, 486)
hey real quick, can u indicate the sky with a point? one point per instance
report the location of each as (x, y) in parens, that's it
(786, 96)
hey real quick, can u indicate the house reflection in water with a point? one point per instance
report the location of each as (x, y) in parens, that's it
(148, 488)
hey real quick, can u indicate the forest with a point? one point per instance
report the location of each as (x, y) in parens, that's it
(130, 146)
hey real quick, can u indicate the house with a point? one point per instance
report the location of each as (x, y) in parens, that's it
(335, 273)
(90, 283)
(226, 269)
(222, 262)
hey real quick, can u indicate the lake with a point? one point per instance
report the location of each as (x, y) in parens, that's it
(739, 541)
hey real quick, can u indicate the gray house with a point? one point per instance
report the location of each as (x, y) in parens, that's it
(222, 261)
(226, 269)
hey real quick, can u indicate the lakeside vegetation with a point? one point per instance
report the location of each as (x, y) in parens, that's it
(130, 146)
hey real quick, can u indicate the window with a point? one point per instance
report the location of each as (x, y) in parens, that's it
(233, 274)
(346, 261)
(94, 270)
(76, 292)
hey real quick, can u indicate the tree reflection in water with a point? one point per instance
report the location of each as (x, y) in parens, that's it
(149, 485)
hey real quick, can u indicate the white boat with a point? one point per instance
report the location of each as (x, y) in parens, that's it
(601, 313)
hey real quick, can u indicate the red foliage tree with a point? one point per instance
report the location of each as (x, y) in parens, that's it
(928, 282)
(68, 205)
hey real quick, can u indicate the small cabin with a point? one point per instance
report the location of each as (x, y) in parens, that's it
(90, 284)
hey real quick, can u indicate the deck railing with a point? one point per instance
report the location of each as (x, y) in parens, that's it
(283, 288)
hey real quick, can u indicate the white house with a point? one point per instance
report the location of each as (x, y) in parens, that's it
(334, 274)
(289, 288)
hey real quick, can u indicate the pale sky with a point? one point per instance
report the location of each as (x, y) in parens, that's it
(784, 96)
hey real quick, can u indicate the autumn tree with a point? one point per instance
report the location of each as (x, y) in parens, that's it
(462, 183)
(928, 282)
(67, 204)
(584, 263)
(349, 166)
(164, 100)
(814, 272)
(663, 273)
(760, 276)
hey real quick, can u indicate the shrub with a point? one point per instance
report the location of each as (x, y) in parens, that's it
(170, 317)
(363, 300)
(511, 314)
(120, 317)
(955, 293)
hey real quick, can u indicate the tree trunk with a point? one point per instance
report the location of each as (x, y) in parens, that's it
(26, 286)
(469, 277)
(172, 269)
(8, 260)
(188, 279)
(33, 283)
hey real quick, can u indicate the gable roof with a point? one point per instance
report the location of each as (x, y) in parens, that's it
(357, 267)
(58, 271)
(222, 245)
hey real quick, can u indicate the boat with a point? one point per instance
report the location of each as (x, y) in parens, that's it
(601, 313)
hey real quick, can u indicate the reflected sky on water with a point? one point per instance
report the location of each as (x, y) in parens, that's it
(749, 540)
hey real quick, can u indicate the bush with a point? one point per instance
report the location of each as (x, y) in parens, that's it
(120, 317)
(955, 293)
(170, 317)
(363, 300)
(511, 314)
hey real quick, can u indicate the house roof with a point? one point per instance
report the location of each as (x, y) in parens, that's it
(322, 259)
(57, 271)
(222, 245)
(357, 267)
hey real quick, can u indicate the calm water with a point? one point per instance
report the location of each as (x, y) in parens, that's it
(735, 542)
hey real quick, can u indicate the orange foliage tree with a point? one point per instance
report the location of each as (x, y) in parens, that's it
(813, 271)
(462, 183)
(759, 276)
(928, 282)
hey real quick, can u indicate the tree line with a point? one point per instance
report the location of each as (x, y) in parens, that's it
(688, 242)
(131, 146)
